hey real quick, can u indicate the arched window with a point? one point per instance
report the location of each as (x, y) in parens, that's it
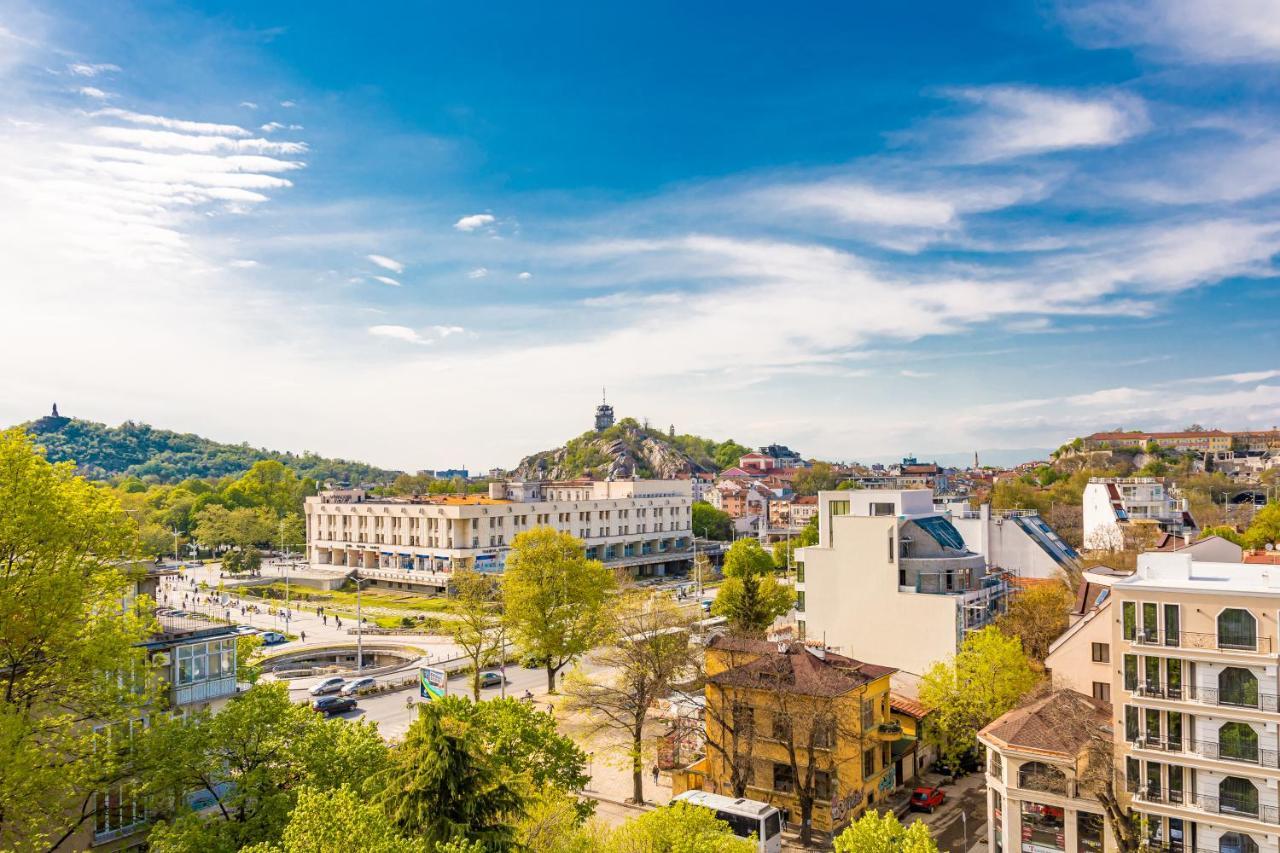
(1238, 741)
(1237, 796)
(1238, 686)
(1038, 776)
(1237, 842)
(1237, 629)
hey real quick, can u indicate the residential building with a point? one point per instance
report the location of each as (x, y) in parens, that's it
(1210, 549)
(912, 753)
(1035, 755)
(766, 701)
(1015, 540)
(1197, 441)
(892, 579)
(1081, 659)
(1126, 512)
(643, 526)
(1194, 689)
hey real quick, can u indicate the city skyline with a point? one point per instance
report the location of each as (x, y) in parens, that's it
(432, 235)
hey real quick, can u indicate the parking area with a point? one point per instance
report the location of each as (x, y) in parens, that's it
(959, 825)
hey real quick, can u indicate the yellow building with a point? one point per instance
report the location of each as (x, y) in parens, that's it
(795, 726)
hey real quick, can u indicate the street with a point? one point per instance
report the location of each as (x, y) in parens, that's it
(967, 796)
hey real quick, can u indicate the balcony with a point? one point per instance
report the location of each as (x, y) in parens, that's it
(1195, 640)
(1246, 700)
(1245, 754)
(1247, 809)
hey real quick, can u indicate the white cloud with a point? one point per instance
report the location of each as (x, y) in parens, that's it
(163, 139)
(474, 221)
(287, 104)
(916, 374)
(387, 263)
(391, 282)
(525, 276)
(447, 331)
(1221, 31)
(172, 123)
(244, 264)
(399, 333)
(622, 300)
(91, 69)
(1014, 121)
(478, 272)
(94, 92)
(271, 126)
(249, 105)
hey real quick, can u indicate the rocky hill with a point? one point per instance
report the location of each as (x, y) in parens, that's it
(628, 449)
(138, 450)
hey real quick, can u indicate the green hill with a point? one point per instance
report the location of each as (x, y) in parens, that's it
(138, 450)
(628, 449)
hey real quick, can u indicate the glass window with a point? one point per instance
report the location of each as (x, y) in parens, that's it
(1130, 723)
(1043, 826)
(1237, 842)
(1130, 672)
(1150, 628)
(1173, 678)
(1238, 686)
(1153, 725)
(1176, 788)
(1153, 780)
(1132, 773)
(1172, 625)
(1038, 776)
(783, 779)
(1238, 741)
(1101, 652)
(1173, 729)
(1089, 831)
(1152, 674)
(1237, 629)
(1102, 691)
(868, 763)
(1129, 618)
(1237, 796)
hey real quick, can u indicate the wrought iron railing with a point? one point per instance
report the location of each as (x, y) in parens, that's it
(1215, 750)
(1201, 640)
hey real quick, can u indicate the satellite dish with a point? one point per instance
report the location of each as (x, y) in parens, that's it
(1271, 546)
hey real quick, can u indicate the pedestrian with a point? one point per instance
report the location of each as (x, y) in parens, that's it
(303, 635)
(655, 774)
(551, 709)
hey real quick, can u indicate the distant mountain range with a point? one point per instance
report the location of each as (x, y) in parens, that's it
(138, 450)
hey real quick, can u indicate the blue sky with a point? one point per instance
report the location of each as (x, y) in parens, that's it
(427, 234)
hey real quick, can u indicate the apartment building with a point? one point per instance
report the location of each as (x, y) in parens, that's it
(1035, 754)
(1018, 541)
(1119, 512)
(643, 526)
(1197, 441)
(1194, 690)
(1080, 659)
(893, 580)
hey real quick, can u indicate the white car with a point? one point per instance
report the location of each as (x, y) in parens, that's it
(357, 686)
(329, 685)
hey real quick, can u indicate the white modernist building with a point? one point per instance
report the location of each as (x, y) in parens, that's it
(893, 580)
(643, 526)
(1014, 540)
(1118, 510)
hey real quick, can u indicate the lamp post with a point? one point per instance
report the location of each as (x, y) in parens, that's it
(359, 627)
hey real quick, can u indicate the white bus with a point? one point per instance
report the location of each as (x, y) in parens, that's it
(746, 818)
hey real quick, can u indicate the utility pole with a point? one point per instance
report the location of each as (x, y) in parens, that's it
(359, 629)
(175, 544)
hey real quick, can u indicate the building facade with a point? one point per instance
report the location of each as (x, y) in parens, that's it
(642, 526)
(1121, 512)
(893, 580)
(1018, 541)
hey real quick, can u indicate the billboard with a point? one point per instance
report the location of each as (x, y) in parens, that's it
(432, 683)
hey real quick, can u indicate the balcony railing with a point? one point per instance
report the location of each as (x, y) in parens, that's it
(1215, 750)
(1200, 640)
(1247, 700)
(1227, 806)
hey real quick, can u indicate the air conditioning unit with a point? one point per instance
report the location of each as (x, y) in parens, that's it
(161, 659)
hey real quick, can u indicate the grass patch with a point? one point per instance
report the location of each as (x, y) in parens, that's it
(345, 598)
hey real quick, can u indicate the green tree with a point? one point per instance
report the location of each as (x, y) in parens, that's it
(1038, 615)
(441, 786)
(986, 677)
(476, 628)
(676, 828)
(816, 478)
(242, 562)
(249, 760)
(1225, 531)
(711, 523)
(727, 453)
(650, 650)
(882, 832)
(248, 670)
(243, 527)
(1265, 527)
(268, 485)
(65, 637)
(333, 821)
(751, 597)
(555, 598)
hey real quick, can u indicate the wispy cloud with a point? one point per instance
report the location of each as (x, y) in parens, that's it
(399, 333)
(478, 272)
(94, 92)
(182, 125)
(474, 222)
(387, 263)
(391, 282)
(525, 276)
(1222, 31)
(91, 69)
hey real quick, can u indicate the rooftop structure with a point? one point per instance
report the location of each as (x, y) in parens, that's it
(1127, 512)
(604, 414)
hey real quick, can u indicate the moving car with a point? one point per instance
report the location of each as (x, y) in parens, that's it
(357, 685)
(329, 685)
(927, 799)
(271, 638)
(491, 679)
(334, 704)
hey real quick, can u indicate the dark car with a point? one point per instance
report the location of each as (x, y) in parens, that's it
(491, 679)
(328, 705)
(927, 799)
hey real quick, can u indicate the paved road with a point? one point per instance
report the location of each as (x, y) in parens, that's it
(967, 796)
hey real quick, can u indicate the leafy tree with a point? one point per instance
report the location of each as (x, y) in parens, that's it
(711, 523)
(64, 639)
(250, 759)
(268, 485)
(751, 597)
(441, 786)
(1225, 531)
(1038, 615)
(246, 562)
(248, 671)
(649, 651)
(555, 598)
(243, 527)
(987, 677)
(330, 821)
(476, 630)
(1265, 527)
(818, 477)
(727, 453)
(877, 832)
(676, 828)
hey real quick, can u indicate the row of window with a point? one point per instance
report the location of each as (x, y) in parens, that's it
(1154, 623)
(207, 661)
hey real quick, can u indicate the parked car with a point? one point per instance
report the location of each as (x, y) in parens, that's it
(927, 799)
(491, 679)
(357, 685)
(329, 685)
(328, 705)
(272, 638)
(245, 629)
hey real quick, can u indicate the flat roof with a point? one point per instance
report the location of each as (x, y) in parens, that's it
(1174, 570)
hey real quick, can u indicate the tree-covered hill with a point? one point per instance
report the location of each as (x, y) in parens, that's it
(629, 449)
(138, 450)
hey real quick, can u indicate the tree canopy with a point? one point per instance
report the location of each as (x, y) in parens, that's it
(877, 832)
(711, 523)
(751, 597)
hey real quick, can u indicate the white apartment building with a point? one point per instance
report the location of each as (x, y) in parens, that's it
(892, 580)
(1014, 540)
(1117, 509)
(1195, 681)
(644, 526)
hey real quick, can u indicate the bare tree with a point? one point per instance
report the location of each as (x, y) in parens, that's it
(728, 727)
(649, 651)
(477, 628)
